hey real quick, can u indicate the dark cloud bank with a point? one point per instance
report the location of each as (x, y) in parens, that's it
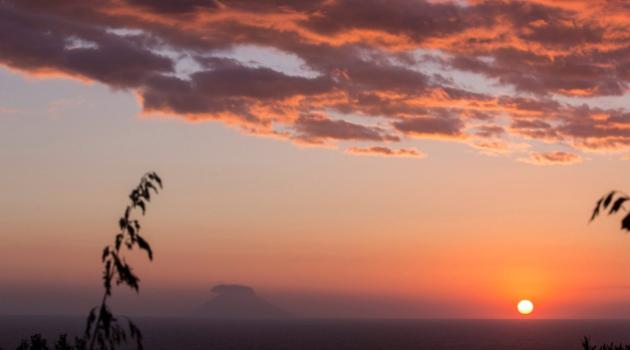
(379, 72)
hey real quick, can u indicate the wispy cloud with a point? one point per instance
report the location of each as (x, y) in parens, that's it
(552, 158)
(386, 152)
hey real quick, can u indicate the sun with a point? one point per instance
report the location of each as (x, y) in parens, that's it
(525, 307)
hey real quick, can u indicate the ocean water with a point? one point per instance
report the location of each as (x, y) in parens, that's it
(178, 333)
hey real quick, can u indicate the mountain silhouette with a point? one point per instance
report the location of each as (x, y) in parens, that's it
(239, 302)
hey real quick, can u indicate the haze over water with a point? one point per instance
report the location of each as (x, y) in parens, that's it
(164, 333)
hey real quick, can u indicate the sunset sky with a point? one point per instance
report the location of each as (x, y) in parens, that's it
(346, 158)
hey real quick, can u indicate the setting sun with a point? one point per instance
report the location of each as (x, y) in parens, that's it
(525, 307)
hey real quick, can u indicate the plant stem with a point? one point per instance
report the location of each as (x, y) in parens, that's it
(100, 313)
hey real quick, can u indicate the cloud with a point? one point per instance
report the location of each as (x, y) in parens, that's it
(386, 152)
(317, 127)
(39, 42)
(490, 131)
(552, 158)
(378, 71)
(175, 6)
(527, 71)
(431, 126)
(496, 147)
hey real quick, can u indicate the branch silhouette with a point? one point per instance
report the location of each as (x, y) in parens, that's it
(586, 345)
(103, 331)
(613, 203)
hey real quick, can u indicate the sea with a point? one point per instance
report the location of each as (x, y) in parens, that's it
(320, 334)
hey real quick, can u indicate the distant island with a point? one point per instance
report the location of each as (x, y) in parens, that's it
(233, 301)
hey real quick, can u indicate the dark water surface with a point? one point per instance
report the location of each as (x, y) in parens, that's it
(176, 333)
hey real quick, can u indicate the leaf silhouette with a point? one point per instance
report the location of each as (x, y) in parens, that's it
(90, 320)
(105, 253)
(609, 198)
(132, 232)
(107, 278)
(625, 223)
(142, 206)
(125, 275)
(155, 177)
(151, 186)
(122, 223)
(596, 210)
(119, 238)
(135, 333)
(145, 245)
(617, 205)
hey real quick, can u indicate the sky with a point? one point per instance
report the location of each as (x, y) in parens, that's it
(344, 158)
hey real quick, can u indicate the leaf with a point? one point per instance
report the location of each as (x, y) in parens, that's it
(132, 232)
(133, 196)
(625, 223)
(145, 245)
(135, 332)
(133, 329)
(609, 198)
(151, 186)
(122, 223)
(142, 206)
(90, 320)
(107, 277)
(125, 275)
(596, 210)
(105, 253)
(617, 205)
(157, 179)
(119, 238)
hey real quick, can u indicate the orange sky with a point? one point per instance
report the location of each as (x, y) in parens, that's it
(317, 159)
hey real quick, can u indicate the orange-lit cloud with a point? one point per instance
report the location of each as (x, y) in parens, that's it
(398, 66)
(386, 152)
(553, 158)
